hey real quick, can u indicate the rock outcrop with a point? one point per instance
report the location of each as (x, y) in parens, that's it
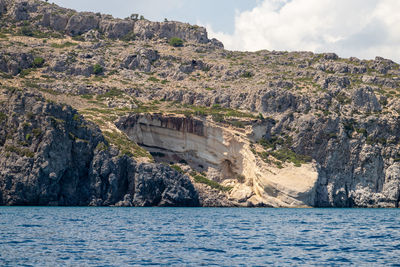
(13, 63)
(51, 156)
(142, 60)
(74, 23)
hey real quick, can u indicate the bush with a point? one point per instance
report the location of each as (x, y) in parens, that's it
(79, 38)
(176, 42)
(26, 31)
(97, 69)
(247, 74)
(218, 118)
(153, 79)
(63, 45)
(101, 146)
(201, 179)
(177, 168)
(3, 117)
(38, 62)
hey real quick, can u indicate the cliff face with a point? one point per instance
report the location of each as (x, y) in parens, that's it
(267, 128)
(51, 156)
(225, 155)
(345, 172)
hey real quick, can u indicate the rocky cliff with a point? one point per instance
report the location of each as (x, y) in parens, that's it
(51, 156)
(269, 128)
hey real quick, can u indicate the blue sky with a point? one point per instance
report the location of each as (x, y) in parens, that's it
(360, 28)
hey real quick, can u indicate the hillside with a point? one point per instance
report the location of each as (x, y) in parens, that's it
(212, 127)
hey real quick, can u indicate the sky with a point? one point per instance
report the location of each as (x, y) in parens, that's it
(360, 28)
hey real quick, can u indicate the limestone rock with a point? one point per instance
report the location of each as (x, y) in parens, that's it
(13, 63)
(20, 10)
(365, 99)
(55, 21)
(147, 30)
(116, 29)
(81, 23)
(3, 7)
(192, 65)
(141, 60)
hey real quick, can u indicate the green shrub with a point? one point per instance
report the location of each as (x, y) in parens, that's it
(25, 72)
(201, 179)
(38, 62)
(177, 168)
(218, 117)
(26, 31)
(237, 124)
(87, 96)
(247, 74)
(370, 140)
(153, 79)
(131, 36)
(76, 117)
(282, 152)
(176, 42)
(101, 146)
(79, 38)
(3, 117)
(241, 178)
(362, 131)
(97, 69)
(20, 151)
(112, 93)
(63, 45)
(36, 132)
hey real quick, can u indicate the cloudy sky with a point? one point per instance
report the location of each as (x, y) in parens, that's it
(361, 28)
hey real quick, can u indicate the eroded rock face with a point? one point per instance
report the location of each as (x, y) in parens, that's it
(148, 30)
(52, 156)
(20, 10)
(346, 172)
(3, 7)
(141, 60)
(55, 21)
(13, 63)
(81, 23)
(225, 155)
(365, 99)
(116, 29)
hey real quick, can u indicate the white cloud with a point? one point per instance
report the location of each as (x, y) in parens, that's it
(362, 28)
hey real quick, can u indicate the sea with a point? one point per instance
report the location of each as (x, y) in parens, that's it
(94, 236)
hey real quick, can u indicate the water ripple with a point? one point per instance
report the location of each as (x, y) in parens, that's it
(48, 236)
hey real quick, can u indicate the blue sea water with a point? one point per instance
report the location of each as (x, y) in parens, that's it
(63, 236)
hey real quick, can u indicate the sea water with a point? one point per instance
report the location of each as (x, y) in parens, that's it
(88, 236)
